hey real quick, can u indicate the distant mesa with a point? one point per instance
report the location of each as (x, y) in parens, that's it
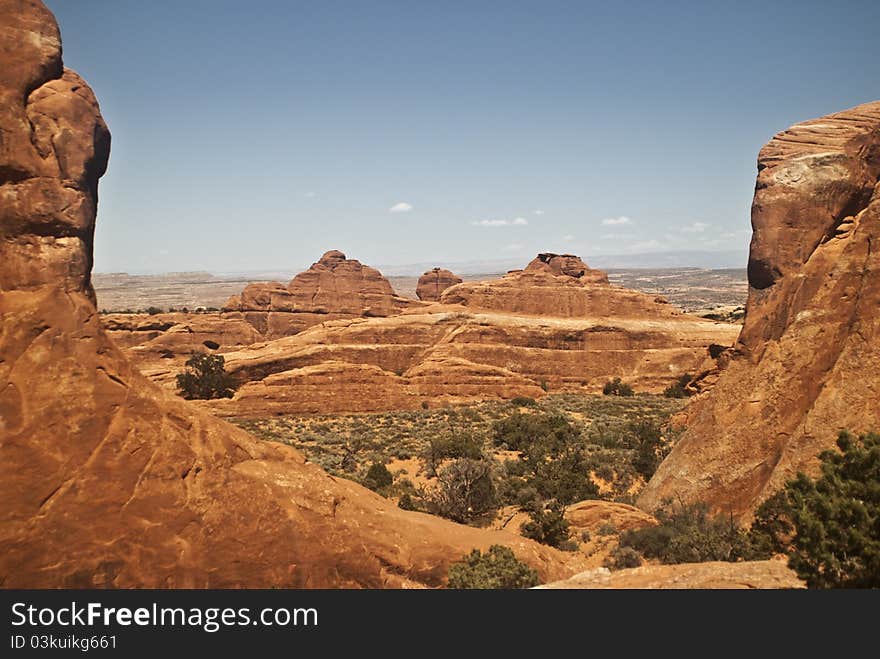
(558, 285)
(334, 287)
(432, 284)
(567, 265)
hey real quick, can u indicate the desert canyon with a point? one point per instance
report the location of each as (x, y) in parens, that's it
(111, 479)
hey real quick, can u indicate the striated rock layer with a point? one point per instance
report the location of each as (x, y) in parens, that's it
(106, 480)
(335, 287)
(447, 354)
(432, 284)
(807, 362)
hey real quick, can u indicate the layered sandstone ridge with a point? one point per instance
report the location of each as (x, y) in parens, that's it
(457, 353)
(332, 288)
(808, 357)
(432, 284)
(108, 481)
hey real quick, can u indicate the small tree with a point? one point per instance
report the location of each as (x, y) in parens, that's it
(616, 387)
(831, 524)
(205, 378)
(498, 568)
(547, 525)
(679, 389)
(464, 491)
(378, 476)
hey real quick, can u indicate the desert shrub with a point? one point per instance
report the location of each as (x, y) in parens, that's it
(519, 431)
(153, 310)
(205, 378)
(547, 525)
(450, 445)
(616, 387)
(622, 558)
(689, 534)
(552, 459)
(523, 401)
(545, 386)
(464, 491)
(830, 525)
(650, 448)
(405, 502)
(679, 388)
(607, 529)
(378, 476)
(498, 568)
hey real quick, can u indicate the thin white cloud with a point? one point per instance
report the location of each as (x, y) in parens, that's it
(513, 247)
(616, 236)
(401, 207)
(538, 212)
(645, 245)
(310, 195)
(568, 237)
(616, 221)
(517, 222)
(696, 227)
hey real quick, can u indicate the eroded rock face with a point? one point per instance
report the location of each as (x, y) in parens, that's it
(108, 481)
(332, 288)
(432, 284)
(808, 357)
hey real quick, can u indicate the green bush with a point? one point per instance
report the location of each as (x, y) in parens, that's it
(523, 401)
(689, 534)
(451, 445)
(830, 526)
(552, 458)
(153, 310)
(616, 387)
(650, 448)
(547, 525)
(622, 558)
(378, 476)
(498, 568)
(205, 378)
(679, 389)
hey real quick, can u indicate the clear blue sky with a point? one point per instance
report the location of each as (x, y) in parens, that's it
(256, 135)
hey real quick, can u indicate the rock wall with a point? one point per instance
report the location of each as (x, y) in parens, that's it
(808, 358)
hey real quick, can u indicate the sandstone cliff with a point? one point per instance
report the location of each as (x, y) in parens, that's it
(808, 358)
(106, 480)
(332, 288)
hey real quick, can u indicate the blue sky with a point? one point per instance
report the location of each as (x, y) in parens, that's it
(256, 135)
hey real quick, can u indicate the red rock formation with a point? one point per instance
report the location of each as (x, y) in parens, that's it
(558, 286)
(335, 287)
(567, 265)
(808, 357)
(446, 355)
(432, 284)
(106, 480)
